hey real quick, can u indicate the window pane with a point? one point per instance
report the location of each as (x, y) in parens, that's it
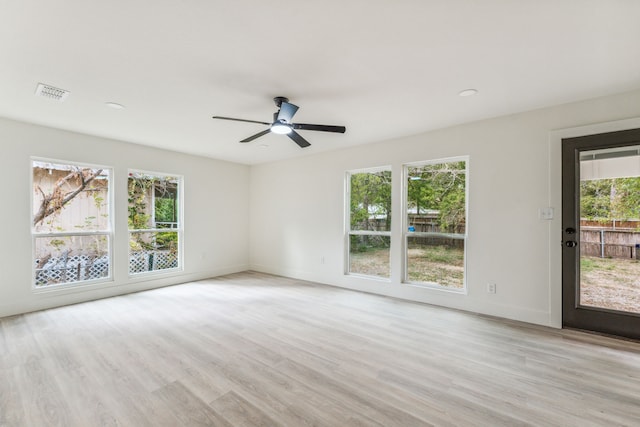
(67, 259)
(610, 229)
(152, 251)
(153, 201)
(370, 202)
(166, 204)
(436, 198)
(436, 260)
(369, 255)
(153, 204)
(68, 198)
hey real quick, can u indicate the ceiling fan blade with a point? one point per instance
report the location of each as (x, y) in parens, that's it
(287, 111)
(240, 120)
(322, 128)
(257, 135)
(298, 139)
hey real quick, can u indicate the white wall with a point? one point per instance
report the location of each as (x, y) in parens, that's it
(297, 208)
(284, 217)
(215, 222)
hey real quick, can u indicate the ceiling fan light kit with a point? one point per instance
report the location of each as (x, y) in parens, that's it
(281, 128)
(283, 125)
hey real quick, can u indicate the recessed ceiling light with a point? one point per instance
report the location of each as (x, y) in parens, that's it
(468, 92)
(114, 105)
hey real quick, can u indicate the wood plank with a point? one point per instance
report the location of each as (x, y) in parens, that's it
(188, 409)
(11, 401)
(240, 412)
(254, 349)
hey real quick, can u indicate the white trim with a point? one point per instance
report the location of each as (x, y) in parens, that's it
(75, 285)
(109, 232)
(347, 222)
(369, 233)
(154, 230)
(437, 287)
(405, 225)
(372, 169)
(179, 230)
(441, 235)
(71, 233)
(438, 161)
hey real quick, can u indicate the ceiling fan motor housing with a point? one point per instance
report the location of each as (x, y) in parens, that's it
(279, 100)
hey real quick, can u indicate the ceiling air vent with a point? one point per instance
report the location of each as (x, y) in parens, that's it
(51, 92)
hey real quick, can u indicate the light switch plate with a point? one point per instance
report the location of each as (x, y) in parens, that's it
(545, 213)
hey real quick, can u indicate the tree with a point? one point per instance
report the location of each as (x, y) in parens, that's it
(140, 189)
(595, 199)
(78, 180)
(610, 198)
(370, 194)
(370, 206)
(439, 188)
(626, 203)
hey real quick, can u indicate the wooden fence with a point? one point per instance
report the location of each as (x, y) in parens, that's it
(612, 224)
(609, 243)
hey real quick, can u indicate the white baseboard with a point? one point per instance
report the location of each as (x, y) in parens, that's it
(66, 296)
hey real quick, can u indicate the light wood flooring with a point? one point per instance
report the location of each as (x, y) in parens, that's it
(257, 350)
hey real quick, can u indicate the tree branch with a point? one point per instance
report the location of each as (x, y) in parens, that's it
(54, 202)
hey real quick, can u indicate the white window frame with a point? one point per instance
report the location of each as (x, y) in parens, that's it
(405, 225)
(179, 230)
(109, 232)
(347, 223)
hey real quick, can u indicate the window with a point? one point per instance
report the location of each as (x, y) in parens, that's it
(71, 223)
(369, 222)
(154, 222)
(435, 229)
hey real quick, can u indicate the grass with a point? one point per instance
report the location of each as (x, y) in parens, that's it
(440, 265)
(611, 283)
(590, 264)
(372, 262)
(605, 282)
(439, 254)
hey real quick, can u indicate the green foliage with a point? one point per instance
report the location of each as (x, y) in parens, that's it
(441, 254)
(370, 195)
(98, 200)
(138, 193)
(165, 210)
(438, 264)
(141, 188)
(57, 243)
(608, 199)
(439, 188)
(167, 241)
(366, 243)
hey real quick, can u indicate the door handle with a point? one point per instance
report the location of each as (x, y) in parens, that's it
(571, 243)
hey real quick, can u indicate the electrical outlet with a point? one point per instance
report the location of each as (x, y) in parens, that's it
(491, 288)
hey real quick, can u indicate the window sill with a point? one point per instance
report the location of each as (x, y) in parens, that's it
(74, 287)
(436, 287)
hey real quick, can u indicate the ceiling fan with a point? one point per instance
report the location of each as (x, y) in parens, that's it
(282, 123)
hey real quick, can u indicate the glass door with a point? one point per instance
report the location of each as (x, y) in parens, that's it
(601, 233)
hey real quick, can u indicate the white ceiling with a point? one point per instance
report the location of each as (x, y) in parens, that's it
(382, 68)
